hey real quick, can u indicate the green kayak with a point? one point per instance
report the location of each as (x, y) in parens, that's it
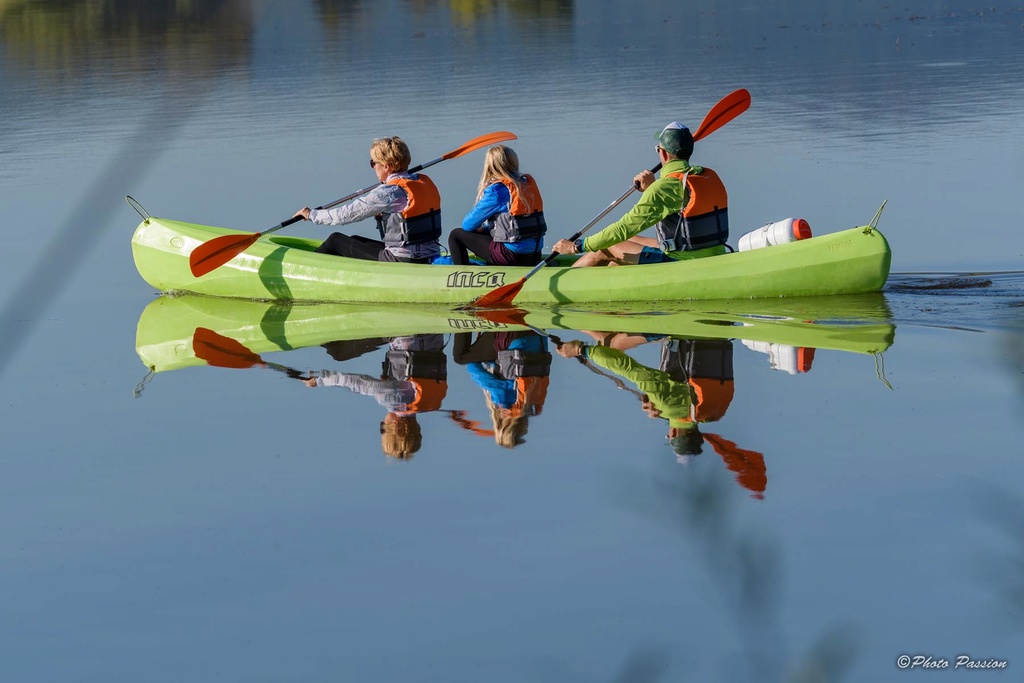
(283, 268)
(167, 328)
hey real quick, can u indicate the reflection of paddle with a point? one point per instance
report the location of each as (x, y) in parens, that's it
(459, 418)
(215, 253)
(748, 465)
(517, 316)
(224, 352)
(728, 108)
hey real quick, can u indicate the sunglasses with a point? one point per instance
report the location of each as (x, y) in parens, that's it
(372, 163)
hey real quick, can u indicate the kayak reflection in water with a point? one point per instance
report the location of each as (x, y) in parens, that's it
(512, 368)
(693, 385)
(414, 380)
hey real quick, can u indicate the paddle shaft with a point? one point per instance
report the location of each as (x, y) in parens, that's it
(576, 235)
(357, 193)
(583, 361)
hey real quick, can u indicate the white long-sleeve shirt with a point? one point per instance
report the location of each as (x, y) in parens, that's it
(396, 396)
(382, 199)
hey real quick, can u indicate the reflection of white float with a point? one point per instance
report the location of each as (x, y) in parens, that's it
(779, 232)
(791, 359)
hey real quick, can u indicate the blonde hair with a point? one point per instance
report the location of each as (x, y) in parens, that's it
(392, 152)
(509, 428)
(402, 438)
(502, 164)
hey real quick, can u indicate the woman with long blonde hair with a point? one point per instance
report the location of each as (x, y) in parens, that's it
(506, 226)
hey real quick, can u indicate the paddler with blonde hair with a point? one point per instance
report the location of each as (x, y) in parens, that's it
(506, 226)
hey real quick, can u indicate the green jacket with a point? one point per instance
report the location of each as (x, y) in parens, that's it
(672, 398)
(664, 197)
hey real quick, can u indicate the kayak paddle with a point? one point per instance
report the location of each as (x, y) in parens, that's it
(224, 352)
(728, 108)
(215, 253)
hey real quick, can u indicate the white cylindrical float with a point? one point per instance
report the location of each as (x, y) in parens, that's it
(779, 232)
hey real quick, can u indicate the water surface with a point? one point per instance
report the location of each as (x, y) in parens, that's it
(168, 518)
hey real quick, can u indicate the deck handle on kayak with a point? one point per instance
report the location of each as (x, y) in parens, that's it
(873, 225)
(139, 209)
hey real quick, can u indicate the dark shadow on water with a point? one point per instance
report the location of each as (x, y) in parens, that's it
(747, 569)
(943, 284)
(977, 302)
(1000, 569)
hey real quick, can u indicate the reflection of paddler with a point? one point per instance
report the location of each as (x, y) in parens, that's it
(512, 368)
(414, 380)
(693, 385)
(706, 365)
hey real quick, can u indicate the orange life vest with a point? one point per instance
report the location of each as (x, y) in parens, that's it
(420, 220)
(525, 216)
(704, 221)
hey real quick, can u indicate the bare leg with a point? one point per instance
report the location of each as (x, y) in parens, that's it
(645, 241)
(621, 254)
(621, 341)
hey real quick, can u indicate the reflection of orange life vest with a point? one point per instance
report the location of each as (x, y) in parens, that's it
(711, 398)
(420, 221)
(525, 216)
(531, 392)
(706, 365)
(704, 221)
(420, 360)
(429, 395)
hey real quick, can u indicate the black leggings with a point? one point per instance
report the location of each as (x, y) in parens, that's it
(486, 346)
(460, 240)
(484, 246)
(354, 246)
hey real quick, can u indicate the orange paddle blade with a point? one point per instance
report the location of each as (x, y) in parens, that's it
(221, 351)
(497, 298)
(215, 253)
(481, 141)
(728, 108)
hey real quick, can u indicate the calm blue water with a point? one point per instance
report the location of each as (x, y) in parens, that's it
(219, 523)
